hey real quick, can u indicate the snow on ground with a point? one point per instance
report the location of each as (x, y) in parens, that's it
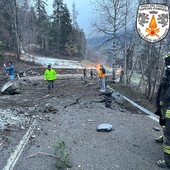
(58, 63)
(61, 63)
(55, 63)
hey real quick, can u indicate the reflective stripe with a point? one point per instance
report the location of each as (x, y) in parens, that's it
(166, 146)
(167, 55)
(167, 115)
(168, 111)
(166, 149)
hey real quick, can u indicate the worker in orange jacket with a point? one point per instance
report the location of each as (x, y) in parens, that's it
(102, 76)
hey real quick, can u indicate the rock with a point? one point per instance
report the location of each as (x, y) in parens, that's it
(117, 97)
(11, 87)
(22, 127)
(48, 108)
(33, 136)
(104, 127)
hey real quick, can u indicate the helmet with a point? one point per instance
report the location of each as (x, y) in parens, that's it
(167, 59)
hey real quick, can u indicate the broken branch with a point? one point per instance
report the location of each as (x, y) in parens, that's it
(43, 153)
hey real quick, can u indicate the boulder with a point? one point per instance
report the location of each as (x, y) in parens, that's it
(11, 87)
(118, 98)
(104, 127)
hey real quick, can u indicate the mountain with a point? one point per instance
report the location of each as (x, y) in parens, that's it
(97, 41)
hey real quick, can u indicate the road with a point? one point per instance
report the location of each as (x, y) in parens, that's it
(71, 113)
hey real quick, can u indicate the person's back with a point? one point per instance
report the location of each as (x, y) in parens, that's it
(84, 72)
(91, 72)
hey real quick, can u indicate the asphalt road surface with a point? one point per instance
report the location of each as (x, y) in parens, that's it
(71, 113)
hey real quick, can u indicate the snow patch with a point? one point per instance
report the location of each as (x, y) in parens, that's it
(55, 63)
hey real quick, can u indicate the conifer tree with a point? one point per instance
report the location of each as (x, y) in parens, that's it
(42, 24)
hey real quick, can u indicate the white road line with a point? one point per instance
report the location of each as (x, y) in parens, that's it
(19, 149)
(151, 115)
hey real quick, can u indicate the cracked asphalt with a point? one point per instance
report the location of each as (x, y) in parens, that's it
(72, 113)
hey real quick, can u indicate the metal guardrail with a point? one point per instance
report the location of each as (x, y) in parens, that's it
(152, 115)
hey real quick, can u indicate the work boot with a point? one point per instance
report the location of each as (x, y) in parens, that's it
(159, 139)
(162, 164)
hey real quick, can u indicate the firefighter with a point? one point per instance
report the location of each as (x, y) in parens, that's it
(164, 106)
(159, 106)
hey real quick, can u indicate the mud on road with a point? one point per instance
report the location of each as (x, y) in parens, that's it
(71, 112)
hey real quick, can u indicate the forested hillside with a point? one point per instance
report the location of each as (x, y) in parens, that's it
(27, 25)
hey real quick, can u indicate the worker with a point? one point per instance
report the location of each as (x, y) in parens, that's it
(160, 94)
(91, 73)
(85, 72)
(50, 75)
(10, 69)
(102, 76)
(164, 98)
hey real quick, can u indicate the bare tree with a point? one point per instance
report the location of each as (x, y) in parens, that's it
(112, 22)
(128, 42)
(109, 19)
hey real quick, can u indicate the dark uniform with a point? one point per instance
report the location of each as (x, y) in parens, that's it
(84, 72)
(160, 95)
(164, 106)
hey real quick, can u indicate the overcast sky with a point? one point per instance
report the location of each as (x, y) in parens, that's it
(84, 12)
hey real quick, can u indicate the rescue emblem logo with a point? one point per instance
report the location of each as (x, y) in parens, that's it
(152, 22)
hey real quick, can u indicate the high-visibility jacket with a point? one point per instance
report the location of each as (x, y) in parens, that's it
(167, 59)
(50, 74)
(100, 73)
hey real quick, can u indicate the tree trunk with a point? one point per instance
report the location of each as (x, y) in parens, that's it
(125, 48)
(149, 79)
(17, 30)
(156, 74)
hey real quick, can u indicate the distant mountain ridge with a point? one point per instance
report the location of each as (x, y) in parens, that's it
(97, 41)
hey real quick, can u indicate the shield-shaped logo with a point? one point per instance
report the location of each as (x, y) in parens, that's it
(152, 22)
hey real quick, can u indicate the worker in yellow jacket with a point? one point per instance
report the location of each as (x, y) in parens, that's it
(50, 75)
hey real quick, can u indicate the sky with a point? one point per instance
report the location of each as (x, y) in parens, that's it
(84, 10)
